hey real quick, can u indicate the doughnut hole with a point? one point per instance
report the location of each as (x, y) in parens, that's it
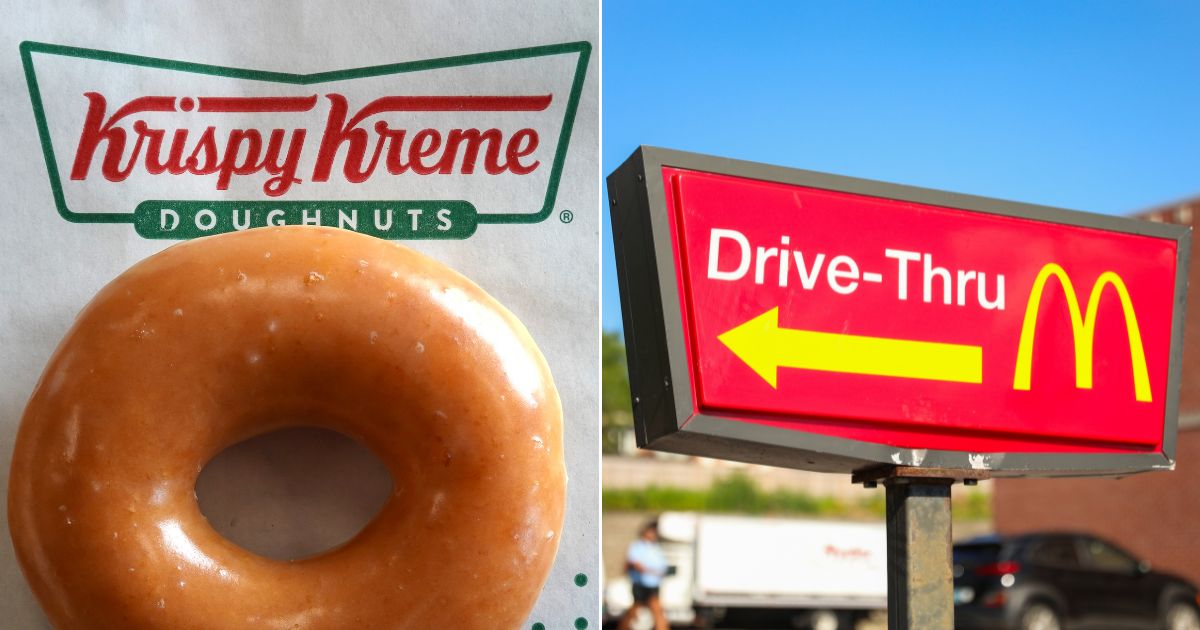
(293, 493)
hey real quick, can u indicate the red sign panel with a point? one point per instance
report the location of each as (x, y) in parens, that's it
(919, 326)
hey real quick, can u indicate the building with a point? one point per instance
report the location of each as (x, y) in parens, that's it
(1154, 515)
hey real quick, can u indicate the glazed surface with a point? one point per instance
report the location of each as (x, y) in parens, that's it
(213, 341)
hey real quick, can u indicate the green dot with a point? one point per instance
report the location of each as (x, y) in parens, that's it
(539, 626)
(580, 579)
(581, 623)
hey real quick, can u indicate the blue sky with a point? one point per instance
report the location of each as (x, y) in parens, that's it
(1091, 106)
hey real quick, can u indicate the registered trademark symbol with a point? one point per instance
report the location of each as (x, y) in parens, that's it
(566, 216)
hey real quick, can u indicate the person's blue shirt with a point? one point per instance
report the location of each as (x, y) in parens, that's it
(650, 556)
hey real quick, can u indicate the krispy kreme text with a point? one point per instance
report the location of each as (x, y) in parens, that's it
(129, 138)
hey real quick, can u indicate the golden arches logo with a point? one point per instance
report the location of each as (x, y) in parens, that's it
(1083, 327)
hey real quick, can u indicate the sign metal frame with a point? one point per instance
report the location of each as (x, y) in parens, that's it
(661, 380)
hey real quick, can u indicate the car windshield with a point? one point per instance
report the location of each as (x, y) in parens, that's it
(976, 553)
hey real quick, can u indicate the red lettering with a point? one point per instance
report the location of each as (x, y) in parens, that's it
(418, 150)
(229, 163)
(97, 130)
(338, 132)
(208, 147)
(395, 142)
(520, 145)
(247, 151)
(284, 172)
(474, 139)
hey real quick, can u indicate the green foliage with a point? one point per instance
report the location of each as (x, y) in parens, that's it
(973, 506)
(616, 411)
(614, 374)
(734, 494)
(873, 504)
(739, 494)
(655, 499)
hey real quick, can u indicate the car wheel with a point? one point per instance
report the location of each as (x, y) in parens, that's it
(1039, 616)
(1182, 616)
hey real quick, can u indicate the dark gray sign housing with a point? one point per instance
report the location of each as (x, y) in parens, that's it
(686, 378)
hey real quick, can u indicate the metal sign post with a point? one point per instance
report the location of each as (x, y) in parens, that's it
(919, 543)
(920, 584)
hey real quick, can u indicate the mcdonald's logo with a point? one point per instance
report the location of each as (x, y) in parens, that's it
(1083, 327)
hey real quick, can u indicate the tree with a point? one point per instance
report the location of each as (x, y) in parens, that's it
(616, 413)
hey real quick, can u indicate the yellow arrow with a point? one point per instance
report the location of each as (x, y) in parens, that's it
(765, 347)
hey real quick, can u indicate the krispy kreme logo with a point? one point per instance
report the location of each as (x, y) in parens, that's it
(425, 149)
(129, 143)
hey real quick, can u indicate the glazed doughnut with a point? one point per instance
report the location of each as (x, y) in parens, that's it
(213, 341)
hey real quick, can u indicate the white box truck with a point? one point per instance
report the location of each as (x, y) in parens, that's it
(823, 575)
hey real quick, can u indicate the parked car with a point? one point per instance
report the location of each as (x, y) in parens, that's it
(1056, 581)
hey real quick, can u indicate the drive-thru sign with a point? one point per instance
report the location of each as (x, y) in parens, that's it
(812, 321)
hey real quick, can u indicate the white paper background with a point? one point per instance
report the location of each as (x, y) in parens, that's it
(547, 274)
